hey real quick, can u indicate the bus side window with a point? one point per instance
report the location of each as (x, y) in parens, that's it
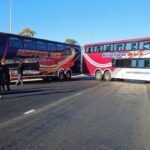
(114, 62)
(29, 44)
(60, 47)
(40, 45)
(134, 46)
(88, 49)
(141, 45)
(141, 63)
(52, 47)
(119, 47)
(15, 42)
(128, 46)
(91, 49)
(66, 52)
(134, 63)
(147, 63)
(146, 45)
(97, 49)
(108, 48)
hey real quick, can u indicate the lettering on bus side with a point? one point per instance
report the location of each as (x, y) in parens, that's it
(122, 55)
(114, 55)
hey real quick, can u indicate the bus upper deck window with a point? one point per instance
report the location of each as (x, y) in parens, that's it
(88, 49)
(134, 46)
(107, 48)
(146, 45)
(128, 46)
(141, 43)
(118, 47)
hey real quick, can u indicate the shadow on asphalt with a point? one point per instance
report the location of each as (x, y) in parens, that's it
(53, 81)
(27, 93)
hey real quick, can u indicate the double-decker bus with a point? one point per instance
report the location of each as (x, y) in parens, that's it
(41, 58)
(123, 59)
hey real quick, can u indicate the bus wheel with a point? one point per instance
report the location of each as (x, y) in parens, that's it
(68, 75)
(98, 75)
(61, 75)
(107, 76)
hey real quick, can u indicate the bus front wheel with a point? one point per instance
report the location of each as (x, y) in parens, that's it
(107, 76)
(98, 75)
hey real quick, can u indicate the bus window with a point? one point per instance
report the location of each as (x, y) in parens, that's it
(29, 44)
(134, 63)
(51, 47)
(119, 47)
(118, 63)
(146, 45)
(89, 49)
(99, 48)
(126, 63)
(94, 49)
(141, 45)
(140, 63)
(15, 42)
(108, 48)
(41, 45)
(134, 46)
(66, 52)
(60, 47)
(128, 46)
(147, 63)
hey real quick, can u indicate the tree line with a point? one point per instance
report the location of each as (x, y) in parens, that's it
(30, 33)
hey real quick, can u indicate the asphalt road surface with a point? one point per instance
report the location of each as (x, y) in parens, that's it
(82, 114)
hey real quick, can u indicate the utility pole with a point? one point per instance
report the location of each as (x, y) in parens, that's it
(10, 16)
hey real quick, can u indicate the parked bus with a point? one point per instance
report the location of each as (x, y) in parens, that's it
(41, 58)
(124, 59)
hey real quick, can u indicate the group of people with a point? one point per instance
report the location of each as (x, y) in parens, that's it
(5, 76)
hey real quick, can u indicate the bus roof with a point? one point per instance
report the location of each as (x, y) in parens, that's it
(118, 41)
(47, 40)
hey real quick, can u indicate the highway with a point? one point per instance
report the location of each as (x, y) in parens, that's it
(81, 114)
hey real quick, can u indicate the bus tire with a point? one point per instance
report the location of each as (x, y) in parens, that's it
(107, 76)
(68, 75)
(98, 75)
(61, 75)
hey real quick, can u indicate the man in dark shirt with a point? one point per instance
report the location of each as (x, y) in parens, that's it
(6, 76)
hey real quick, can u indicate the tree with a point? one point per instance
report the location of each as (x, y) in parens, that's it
(71, 41)
(27, 32)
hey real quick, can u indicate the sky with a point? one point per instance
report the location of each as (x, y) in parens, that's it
(86, 21)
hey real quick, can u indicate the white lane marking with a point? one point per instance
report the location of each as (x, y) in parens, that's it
(29, 112)
(14, 120)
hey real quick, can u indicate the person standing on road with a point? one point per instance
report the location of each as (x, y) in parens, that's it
(20, 73)
(6, 76)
